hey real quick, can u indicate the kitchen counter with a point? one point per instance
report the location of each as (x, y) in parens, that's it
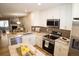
(15, 34)
(18, 34)
(13, 51)
(63, 40)
(23, 33)
(40, 33)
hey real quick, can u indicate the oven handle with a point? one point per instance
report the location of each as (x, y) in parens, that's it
(52, 42)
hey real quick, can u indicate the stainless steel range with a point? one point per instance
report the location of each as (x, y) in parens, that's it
(49, 41)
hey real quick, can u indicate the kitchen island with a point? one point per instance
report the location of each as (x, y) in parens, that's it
(13, 51)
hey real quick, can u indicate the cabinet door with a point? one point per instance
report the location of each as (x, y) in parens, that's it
(24, 39)
(60, 49)
(57, 49)
(64, 50)
(29, 39)
(39, 41)
(32, 40)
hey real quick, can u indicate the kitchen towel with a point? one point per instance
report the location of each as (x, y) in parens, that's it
(46, 43)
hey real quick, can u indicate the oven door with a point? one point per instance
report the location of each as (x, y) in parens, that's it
(49, 47)
(75, 44)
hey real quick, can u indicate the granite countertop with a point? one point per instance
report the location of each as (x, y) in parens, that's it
(63, 40)
(39, 33)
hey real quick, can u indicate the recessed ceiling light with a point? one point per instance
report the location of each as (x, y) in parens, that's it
(39, 4)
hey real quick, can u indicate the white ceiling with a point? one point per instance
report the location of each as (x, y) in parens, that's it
(19, 8)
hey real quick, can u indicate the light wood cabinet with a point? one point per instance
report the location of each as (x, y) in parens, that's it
(61, 49)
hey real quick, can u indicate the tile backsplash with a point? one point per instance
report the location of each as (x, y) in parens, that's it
(65, 33)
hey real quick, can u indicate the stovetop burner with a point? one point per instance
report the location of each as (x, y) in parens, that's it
(53, 37)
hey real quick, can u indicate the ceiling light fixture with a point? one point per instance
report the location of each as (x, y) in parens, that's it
(39, 4)
(18, 22)
(7, 32)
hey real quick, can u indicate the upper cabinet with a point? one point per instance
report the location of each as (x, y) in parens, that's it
(63, 12)
(75, 10)
(35, 18)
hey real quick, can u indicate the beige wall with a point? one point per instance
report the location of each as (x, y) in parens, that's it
(26, 21)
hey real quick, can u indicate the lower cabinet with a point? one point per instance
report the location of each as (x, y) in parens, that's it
(61, 49)
(30, 38)
(39, 40)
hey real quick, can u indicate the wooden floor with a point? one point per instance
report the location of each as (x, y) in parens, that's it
(4, 51)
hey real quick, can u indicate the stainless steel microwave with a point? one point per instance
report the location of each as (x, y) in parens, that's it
(53, 22)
